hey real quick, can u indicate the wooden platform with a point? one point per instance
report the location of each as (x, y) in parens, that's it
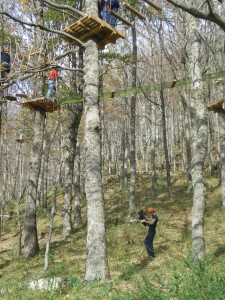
(91, 26)
(47, 105)
(217, 106)
(20, 140)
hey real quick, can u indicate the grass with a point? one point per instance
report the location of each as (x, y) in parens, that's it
(170, 276)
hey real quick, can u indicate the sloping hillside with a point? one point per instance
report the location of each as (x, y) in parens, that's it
(171, 275)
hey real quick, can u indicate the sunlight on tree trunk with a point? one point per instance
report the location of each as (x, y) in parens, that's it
(199, 134)
(97, 263)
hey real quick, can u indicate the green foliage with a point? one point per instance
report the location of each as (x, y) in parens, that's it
(198, 280)
(144, 289)
(24, 293)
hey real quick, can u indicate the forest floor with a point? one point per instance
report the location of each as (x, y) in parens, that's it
(171, 275)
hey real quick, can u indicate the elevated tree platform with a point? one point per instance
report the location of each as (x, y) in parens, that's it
(47, 105)
(217, 106)
(20, 140)
(93, 27)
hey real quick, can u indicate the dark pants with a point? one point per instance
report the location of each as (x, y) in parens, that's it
(107, 17)
(148, 242)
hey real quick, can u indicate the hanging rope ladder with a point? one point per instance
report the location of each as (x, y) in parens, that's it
(134, 11)
(152, 4)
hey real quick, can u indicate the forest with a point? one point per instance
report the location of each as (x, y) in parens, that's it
(98, 121)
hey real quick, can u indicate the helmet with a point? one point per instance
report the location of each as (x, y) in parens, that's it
(150, 209)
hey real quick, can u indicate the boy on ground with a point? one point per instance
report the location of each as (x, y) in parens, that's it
(148, 242)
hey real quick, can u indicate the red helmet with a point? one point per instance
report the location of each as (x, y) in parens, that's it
(150, 209)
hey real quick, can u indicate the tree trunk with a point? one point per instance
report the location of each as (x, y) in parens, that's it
(31, 246)
(199, 140)
(221, 116)
(168, 177)
(77, 209)
(70, 140)
(187, 136)
(97, 263)
(153, 154)
(54, 194)
(132, 206)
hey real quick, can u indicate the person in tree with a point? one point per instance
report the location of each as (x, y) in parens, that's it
(105, 6)
(52, 83)
(5, 62)
(100, 8)
(148, 242)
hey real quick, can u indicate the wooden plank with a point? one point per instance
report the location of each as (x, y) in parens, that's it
(10, 97)
(217, 106)
(134, 11)
(90, 33)
(69, 31)
(122, 19)
(157, 7)
(21, 95)
(2, 101)
(90, 26)
(106, 41)
(120, 34)
(20, 140)
(47, 105)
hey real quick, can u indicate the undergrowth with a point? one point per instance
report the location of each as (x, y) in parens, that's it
(171, 276)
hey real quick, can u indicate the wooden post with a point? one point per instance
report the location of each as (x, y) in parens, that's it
(127, 22)
(157, 7)
(134, 11)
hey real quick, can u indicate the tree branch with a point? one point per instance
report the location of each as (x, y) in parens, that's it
(32, 71)
(42, 27)
(210, 6)
(58, 6)
(210, 16)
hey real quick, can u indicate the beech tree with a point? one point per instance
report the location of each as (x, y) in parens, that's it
(31, 245)
(97, 264)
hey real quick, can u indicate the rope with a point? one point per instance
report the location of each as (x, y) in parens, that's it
(56, 89)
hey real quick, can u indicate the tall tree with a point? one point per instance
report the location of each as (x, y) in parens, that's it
(199, 139)
(132, 129)
(31, 245)
(74, 113)
(97, 263)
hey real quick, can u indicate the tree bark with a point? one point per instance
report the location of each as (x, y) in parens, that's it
(132, 205)
(168, 177)
(97, 263)
(77, 209)
(31, 245)
(221, 117)
(199, 140)
(153, 154)
(70, 140)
